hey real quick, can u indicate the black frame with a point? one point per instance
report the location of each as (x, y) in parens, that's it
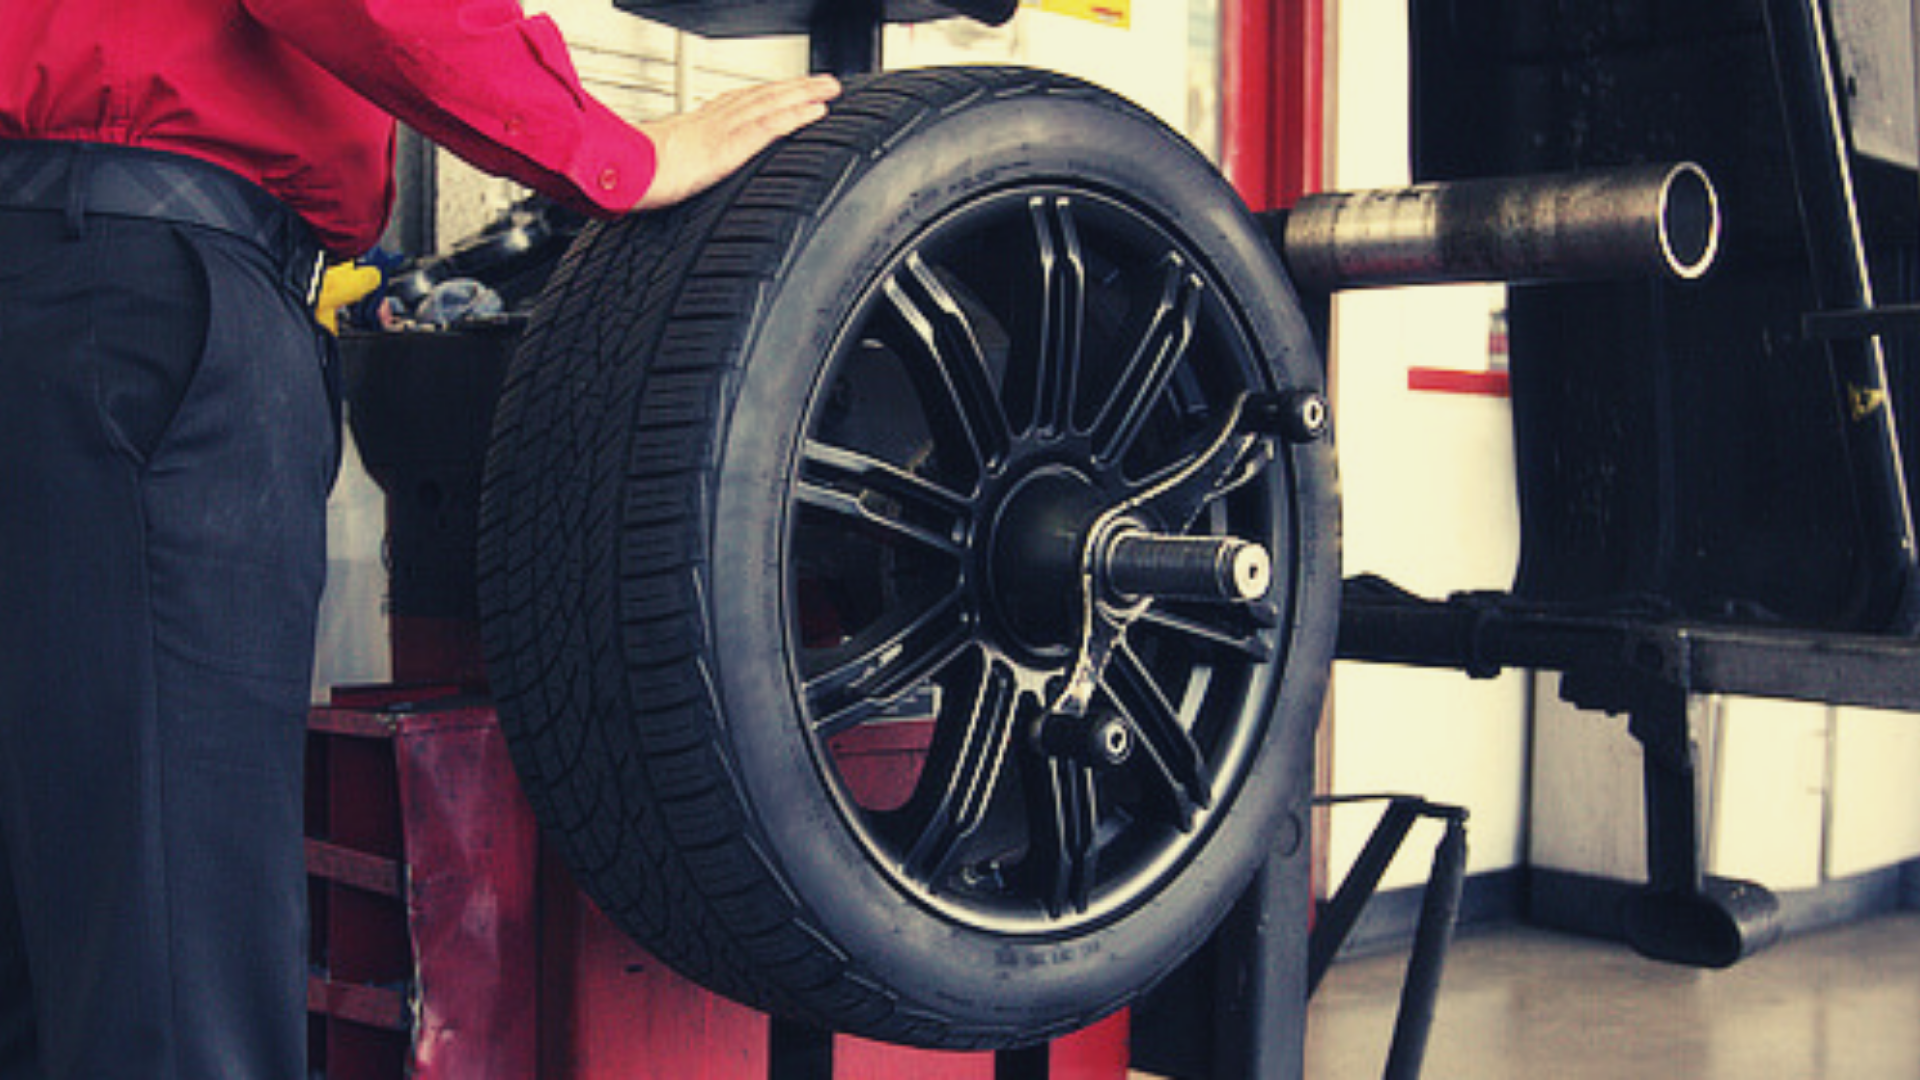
(1655, 593)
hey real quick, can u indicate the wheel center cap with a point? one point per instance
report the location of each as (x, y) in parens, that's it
(1034, 557)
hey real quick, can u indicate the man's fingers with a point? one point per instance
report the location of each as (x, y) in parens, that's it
(777, 109)
(777, 96)
(698, 149)
(768, 102)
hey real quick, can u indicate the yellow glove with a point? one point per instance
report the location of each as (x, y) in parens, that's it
(343, 284)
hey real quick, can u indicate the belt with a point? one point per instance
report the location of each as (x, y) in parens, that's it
(79, 179)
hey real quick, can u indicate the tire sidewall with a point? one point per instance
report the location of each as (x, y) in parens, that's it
(1079, 139)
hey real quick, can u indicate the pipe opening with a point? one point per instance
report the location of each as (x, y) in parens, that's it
(1689, 222)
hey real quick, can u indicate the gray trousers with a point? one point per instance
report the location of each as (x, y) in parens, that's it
(168, 435)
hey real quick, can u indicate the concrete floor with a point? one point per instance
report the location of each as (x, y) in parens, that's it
(1521, 1003)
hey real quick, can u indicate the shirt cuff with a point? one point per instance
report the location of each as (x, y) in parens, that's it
(614, 164)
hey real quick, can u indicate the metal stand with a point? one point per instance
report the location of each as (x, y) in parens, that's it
(1239, 1007)
(1433, 934)
(1260, 990)
(1648, 667)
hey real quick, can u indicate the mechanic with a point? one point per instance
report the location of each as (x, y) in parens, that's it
(173, 174)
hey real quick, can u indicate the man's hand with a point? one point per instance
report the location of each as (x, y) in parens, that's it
(700, 148)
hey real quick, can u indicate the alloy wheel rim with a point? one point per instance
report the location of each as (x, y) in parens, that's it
(1030, 360)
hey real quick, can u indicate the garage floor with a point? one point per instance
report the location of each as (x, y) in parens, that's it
(1525, 1003)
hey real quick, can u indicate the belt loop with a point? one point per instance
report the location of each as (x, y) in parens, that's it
(304, 261)
(316, 273)
(79, 179)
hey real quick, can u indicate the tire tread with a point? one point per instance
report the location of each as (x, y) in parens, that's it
(623, 375)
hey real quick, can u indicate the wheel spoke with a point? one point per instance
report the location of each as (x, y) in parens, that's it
(952, 373)
(1062, 312)
(866, 491)
(1040, 356)
(1065, 845)
(1161, 348)
(858, 689)
(962, 777)
(1167, 753)
(1248, 641)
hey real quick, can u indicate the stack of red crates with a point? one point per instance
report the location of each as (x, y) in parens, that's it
(448, 946)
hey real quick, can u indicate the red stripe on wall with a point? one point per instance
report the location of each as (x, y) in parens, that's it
(1449, 381)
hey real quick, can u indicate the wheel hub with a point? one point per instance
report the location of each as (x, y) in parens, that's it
(1059, 545)
(1033, 557)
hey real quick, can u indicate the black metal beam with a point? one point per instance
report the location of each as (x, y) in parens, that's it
(1881, 320)
(1485, 633)
(1799, 33)
(844, 39)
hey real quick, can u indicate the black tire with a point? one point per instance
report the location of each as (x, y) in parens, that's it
(737, 516)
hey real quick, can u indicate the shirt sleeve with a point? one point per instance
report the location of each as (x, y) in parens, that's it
(482, 79)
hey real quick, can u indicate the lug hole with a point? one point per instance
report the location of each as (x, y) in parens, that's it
(1102, 740)
(1298, 416)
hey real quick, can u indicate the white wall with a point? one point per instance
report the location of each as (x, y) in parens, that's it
(1762, 788)
(643, 69)
(1134, 59)
(1873, 816)
(1793, 795)
(1427, 482)
(1150, 59)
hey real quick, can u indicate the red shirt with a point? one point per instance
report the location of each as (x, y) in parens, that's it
(300, 95)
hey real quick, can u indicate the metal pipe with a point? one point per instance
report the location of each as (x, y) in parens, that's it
(1647, 220)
